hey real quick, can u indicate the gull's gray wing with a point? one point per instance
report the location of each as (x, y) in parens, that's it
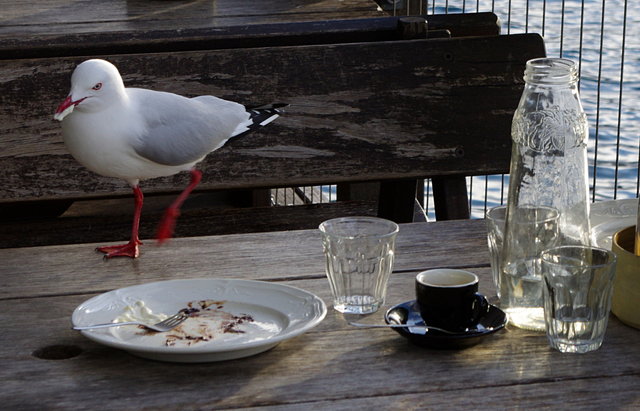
(179, 130)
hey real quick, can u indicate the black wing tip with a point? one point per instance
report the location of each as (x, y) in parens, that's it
(275, 107)
(263, 115)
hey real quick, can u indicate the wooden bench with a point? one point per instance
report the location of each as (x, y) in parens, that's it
(388, 110)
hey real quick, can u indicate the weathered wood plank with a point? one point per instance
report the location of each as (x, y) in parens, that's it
(512, 369)
(74, 269)
(200, 221)
(85, 16)
(450, 197)
(566, 394)
(337, 129)
(313, 28)
(332, 365)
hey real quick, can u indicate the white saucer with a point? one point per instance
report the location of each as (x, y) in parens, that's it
(276, 313)
(608, 217)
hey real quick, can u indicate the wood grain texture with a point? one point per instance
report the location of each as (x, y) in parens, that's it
(331, 367)
(368, 111)
(86, 16)
(192, 222)
(52, 270)
(339, 26)
(60, 24)
(360, 112)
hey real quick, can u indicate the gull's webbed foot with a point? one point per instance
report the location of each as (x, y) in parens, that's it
(130, 249)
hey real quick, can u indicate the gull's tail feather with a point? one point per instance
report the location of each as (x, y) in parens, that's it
(261, 116)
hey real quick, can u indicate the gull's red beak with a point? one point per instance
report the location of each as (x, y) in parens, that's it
(66, 107)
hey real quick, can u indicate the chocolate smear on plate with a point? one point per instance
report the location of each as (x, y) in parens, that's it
(206, 319)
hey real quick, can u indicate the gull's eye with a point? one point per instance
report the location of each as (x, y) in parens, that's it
(97, 87)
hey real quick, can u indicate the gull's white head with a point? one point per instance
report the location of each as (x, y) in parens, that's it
(95, 85)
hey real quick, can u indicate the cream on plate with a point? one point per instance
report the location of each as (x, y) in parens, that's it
(209, 320)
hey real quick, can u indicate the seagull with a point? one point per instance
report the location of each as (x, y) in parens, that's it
(136, 134)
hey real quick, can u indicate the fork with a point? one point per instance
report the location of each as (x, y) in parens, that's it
(162, 326)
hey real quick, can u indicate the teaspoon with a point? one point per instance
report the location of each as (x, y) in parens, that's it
(418, 327)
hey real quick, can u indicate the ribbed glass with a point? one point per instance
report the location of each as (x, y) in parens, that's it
(359, 254)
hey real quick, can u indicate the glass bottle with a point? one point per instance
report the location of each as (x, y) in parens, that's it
(548, 171)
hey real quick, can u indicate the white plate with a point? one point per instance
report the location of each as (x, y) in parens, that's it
(276, 312)
(608, 217)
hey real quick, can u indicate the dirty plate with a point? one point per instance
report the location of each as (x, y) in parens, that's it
(231, 318)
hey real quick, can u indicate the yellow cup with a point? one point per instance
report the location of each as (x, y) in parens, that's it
(626, 289)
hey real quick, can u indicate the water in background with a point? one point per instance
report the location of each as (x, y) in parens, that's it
(603, 36)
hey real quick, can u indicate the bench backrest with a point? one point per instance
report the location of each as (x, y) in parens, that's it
(359, 112)
(366, 111)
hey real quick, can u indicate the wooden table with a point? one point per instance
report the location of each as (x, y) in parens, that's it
(82, 27)
(333, 366)
(70, 17)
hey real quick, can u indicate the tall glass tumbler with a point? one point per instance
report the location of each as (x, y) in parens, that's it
(578, 285)
(533, 230)
(359, 254)
(495, 235)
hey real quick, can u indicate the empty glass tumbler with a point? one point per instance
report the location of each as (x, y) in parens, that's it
(533, 230)
(496, 217)
(359, 254)
(578, 285)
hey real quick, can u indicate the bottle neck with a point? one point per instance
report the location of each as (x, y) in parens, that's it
(551, 72)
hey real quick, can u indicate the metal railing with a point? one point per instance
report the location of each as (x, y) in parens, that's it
(603, 37)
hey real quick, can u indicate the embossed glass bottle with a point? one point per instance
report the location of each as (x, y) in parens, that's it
(548, 169)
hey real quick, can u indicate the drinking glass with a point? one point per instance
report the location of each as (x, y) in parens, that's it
(578, 285)
(529, 230)
(359, 253)
(495, 235)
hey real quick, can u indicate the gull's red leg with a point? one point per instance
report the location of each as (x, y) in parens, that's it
(131, 248)
(165, 229)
